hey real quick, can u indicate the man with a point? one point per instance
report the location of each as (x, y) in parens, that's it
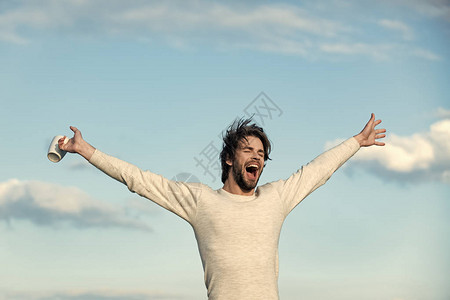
(238, 226)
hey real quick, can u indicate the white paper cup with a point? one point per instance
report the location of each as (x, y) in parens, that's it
(55, 154)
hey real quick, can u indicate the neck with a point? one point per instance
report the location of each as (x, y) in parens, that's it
(232, 187)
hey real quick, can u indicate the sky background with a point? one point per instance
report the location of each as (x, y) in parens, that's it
(155, 83)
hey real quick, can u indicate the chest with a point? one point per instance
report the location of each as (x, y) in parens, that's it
(236, 222)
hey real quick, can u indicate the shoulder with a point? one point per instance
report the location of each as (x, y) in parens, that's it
(268, 188)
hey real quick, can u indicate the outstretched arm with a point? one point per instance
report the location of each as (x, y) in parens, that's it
(318, 171)
(369, 135)
(177, 197)
(77, 144)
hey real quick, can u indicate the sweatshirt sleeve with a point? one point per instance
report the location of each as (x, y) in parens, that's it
(311, 176)
(175, 196)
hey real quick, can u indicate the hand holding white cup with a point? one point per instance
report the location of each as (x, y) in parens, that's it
(55, 154)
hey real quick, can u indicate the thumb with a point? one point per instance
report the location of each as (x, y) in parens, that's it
(76, 133)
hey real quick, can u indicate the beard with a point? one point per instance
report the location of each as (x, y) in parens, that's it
(239, 177)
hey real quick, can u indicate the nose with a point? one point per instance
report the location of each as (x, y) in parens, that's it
(255, 155)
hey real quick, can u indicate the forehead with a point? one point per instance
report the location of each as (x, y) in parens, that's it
(253, 142)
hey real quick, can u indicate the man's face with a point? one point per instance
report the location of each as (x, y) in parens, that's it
(248, 163)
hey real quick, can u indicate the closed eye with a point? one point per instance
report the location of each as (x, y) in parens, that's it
(250, 149)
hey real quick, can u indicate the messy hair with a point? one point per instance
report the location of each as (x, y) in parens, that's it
(239, 130)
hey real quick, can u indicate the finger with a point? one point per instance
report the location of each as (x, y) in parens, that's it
(380, 143)
(376, 122)
(380, 131)
(73, 128)
(61, 143)
(380, 136)
(369, 124)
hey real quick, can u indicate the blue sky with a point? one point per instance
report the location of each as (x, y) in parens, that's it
(155, 83)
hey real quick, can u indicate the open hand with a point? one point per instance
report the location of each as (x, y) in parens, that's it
(369, 135)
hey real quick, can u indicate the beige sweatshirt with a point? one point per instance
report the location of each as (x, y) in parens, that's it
(237, 236)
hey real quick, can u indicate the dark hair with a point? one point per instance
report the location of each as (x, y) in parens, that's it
(235, 133)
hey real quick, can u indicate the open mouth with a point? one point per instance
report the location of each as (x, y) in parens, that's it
(252, 171)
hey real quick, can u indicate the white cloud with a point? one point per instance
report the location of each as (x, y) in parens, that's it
(187, 16)
(419, 157)
(443, 113)
(431, 8)
(291, 29)
(405, 30)
(47, 204)
(379, 52)
(11, 37)
(402, 154)
(172, 20)
(425, 54)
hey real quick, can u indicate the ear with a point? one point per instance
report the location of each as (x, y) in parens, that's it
(229, 161)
